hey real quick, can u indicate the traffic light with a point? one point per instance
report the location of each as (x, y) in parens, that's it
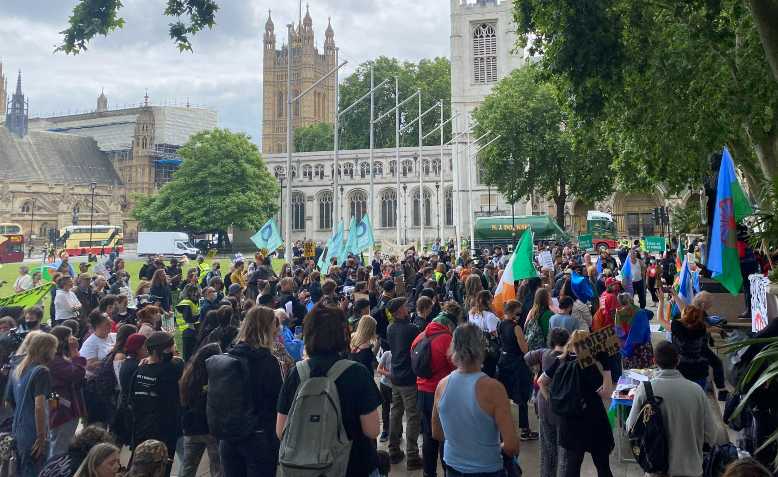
(657, 216)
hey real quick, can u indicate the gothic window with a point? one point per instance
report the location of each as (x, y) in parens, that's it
(407, 167)
(280, 102)
(388, 208)
(392, 168)
(294, 172)
(436, 166)
(448, 197)
(427, 209)
(484, 53)
(364, 169)
(307, 172)
(296, 107)
(319, 171)
(26, 207)
(348, 169)
(298, 211)
(358, 204)
(378, 169)
(278, 171)
(426, 166)
(325, 210)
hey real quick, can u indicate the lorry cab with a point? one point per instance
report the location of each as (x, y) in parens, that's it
(602, 228)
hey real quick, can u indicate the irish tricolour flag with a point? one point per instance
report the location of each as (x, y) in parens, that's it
(731, 207)
(519, 267)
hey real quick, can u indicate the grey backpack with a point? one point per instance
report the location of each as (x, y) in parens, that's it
(315, 443)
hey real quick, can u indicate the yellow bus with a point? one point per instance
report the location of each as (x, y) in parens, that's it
(83, 240)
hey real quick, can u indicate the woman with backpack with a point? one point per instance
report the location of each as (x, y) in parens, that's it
(358, 400)
(536, 324)
(95, 350)
(194, 393)
(481, 316)
(68, 370)
(364, 343)
(583, 424)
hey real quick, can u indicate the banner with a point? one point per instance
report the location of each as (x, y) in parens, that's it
(309, 249)
(586, 242)
(601, 341)
(655, 244)
(268, 237)
(335, 248)
(759, 316)
(362, 236)
(27, 298)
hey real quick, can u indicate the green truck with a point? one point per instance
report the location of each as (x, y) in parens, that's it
(506, 230)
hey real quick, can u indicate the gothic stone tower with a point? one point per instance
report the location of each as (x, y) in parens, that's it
(3, 93)
(17, 117)
(308, 65)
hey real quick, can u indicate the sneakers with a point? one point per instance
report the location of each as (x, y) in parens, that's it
(396, 457)
(414, 463)
(529, 435)
(723, 395)
(384, 437)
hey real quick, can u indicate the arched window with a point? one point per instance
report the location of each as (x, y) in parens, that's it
(294, 172)
(325, 210)
(318, 171)
(280, 103)
(427, 209)
(392, 168)
(44, 230)
(298, 211)
(484, 53)
(26, 207)
(358, 204)
(378, 169)
(278, 171)
(348, 169)
(388, 208)
(364, 169)
(407, 167)
(436, 166)
(296, 106)
(448, 197)
(307, 172)
(426, 166)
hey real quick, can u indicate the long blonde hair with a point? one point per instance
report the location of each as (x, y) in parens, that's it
(473, 285)
(365, 333)
(259, 328)
(39, 348)
(575, 338)
(539, 304)
(97, 455)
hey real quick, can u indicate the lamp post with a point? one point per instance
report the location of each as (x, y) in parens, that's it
(437, 203)
(32, 218)
(405, 213)
(92, 187)
(340, 203)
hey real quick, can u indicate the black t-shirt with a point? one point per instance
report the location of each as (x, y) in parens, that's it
(359, 396)
(155, 401)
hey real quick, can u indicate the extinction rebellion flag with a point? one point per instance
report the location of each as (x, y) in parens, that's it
(268, 237)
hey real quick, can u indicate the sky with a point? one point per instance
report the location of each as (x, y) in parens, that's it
(223, 73)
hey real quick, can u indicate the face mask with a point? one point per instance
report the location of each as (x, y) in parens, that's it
(167, 356)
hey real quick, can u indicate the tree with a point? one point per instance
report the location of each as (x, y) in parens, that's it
(101, 17)
(432, 77)
(664, 84)
(222, 182)
(316, 137)
(541, 148)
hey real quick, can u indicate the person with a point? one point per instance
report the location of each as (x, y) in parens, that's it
(197, 438)
(385, 388)
(325, 340)
(68, 371)
(691, 336)
(86, 294)
(536, 324)
(24, 280)
(66, 465)
(638, 271)
(224, 332)
(747, 467)
(364, 343)
(400, 336)
(564, 319)
(634, 334)
(287, 299)
(99, 344)
(27, 392)
(421, 317)
(605, 315)
(551, 464)
(102, 461)
(33, 317)
(686, 413)
(150, 459)
(153, 394)
(653, 271)
(238, 275)
(591, 431)
(472, 413)
(160, 291)
(119, 348)
(512, 371)
(66, 303)
(480, 314)
(257, 454)
(438, 331)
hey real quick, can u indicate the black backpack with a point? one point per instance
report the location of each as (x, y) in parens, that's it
(421, 356)
(647, 436)
(566, 395)
(230, 404)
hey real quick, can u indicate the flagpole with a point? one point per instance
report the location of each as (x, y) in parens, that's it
(372, 145)
(421, 184)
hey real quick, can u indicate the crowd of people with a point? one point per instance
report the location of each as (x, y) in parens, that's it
(301, 371)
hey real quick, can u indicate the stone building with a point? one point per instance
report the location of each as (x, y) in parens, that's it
(3, 93)
(308, 65)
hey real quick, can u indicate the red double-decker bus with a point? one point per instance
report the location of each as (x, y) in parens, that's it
(11, 243)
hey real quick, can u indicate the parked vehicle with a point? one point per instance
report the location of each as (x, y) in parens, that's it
(167, 244)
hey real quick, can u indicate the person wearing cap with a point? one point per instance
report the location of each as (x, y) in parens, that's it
(154, 394)
(400, 336)
(150, 459)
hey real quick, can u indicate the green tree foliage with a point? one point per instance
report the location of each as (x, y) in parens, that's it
(687, 220)
(101, 17)
(316, 137)
(432, 77)
(222, 182)
(541, 148)
(663, 84)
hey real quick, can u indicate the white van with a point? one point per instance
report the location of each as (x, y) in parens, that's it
(167, 244)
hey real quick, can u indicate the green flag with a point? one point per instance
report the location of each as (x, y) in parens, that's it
(523, 267)
(335, 248)
(268, 236)
(27, 298)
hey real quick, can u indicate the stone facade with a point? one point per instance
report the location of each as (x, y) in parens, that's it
(308, 65)
(3, 93)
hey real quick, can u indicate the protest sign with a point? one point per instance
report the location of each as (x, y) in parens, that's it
(309, 250)
(585, 242)
(545, 260)
(759, 317)
(601, 341)
(655, 244)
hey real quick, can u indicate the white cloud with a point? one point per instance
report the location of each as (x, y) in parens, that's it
(225, 70)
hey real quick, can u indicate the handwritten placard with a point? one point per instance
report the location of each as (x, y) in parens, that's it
(601, 341)
(759, 316)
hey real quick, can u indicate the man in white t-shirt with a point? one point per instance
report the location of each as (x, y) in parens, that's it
(99, 344)
(23, 281)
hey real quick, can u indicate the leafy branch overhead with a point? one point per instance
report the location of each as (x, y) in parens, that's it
(101, 17)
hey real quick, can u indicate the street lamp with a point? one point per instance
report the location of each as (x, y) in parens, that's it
(92, 187)
(340, 202)
(280, 177)
(405, 214)
(437, 203)
(32, 217)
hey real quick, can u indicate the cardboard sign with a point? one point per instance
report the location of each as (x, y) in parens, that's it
(309, 250)
(600, 341)
(585, 242)
(546, 260)
(759, 316)
(655, 244)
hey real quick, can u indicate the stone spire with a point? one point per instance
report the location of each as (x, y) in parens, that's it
(3, 93)
(270, 35)
(102, 102)
(329, 37)
(16, 118)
